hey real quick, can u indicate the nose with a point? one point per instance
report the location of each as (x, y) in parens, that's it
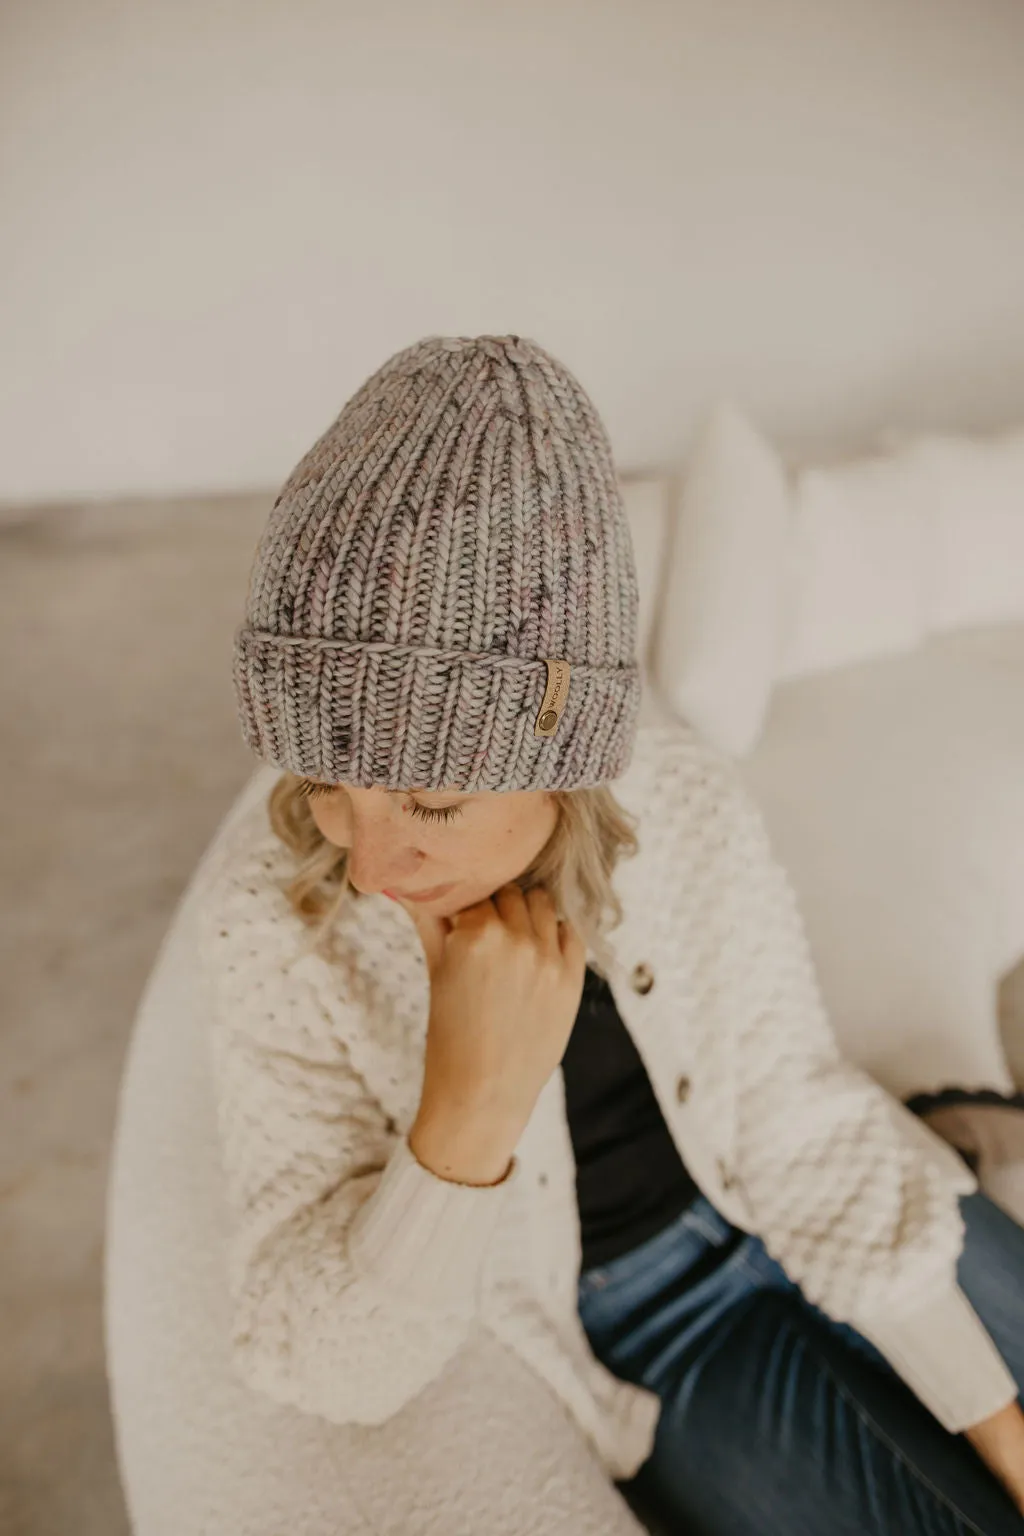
(381, 855)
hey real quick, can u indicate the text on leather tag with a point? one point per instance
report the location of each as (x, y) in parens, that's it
(555, 695)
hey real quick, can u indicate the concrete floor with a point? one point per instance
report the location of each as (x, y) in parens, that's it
(119, 752)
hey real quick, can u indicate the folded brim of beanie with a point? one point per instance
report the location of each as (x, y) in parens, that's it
(404, 717)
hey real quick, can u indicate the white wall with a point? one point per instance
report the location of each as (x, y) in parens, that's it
(219, 217)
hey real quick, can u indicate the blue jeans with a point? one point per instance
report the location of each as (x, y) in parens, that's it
(775, 1419)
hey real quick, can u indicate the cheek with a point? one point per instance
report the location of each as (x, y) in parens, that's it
(545, 820)
(527, 835)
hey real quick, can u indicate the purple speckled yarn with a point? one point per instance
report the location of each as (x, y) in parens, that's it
(459, 524)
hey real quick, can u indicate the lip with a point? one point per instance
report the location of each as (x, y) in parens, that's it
(434, 894)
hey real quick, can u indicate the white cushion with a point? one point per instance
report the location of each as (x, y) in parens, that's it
(858, 563)
(976, 488)
(894, 795)
(646, 500)
(718, 630)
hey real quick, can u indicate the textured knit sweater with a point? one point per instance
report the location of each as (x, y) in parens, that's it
(356, 1273)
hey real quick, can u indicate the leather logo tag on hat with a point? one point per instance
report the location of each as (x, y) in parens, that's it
(555, 695)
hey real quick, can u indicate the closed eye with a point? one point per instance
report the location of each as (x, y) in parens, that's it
(435, 813)
(311, 790)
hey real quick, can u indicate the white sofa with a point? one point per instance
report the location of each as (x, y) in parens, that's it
(854, 634)
(894, 789)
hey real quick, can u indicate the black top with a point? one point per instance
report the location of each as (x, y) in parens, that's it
(630, 1179)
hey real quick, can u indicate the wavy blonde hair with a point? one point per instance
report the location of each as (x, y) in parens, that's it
(576, 863)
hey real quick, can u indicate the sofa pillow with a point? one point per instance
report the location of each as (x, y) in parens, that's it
(646, 500)
(892, 790)
(717, 634)
(975, 572)
(858, 563)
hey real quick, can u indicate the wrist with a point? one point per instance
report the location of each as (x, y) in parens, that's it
(464, 1147)
(999, 1441)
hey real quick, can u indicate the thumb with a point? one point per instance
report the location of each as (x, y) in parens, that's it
(434, 931)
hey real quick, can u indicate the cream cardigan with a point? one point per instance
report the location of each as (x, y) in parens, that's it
(357, 1274)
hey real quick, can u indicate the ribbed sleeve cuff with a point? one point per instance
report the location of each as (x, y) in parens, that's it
(944, 1354)
(424, 1237)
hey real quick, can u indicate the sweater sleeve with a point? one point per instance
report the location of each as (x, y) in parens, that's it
(353, 1269)
(851, 1194)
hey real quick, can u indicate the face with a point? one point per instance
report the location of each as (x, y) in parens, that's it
(406, 843)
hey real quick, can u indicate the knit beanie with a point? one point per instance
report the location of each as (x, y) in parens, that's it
(444, 595)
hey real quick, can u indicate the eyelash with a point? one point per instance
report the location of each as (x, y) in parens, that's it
(435, 813)
(312, 791)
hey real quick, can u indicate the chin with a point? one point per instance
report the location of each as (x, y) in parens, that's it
(442, 906)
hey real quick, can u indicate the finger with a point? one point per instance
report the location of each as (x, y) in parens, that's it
(473, 915)
(544, 916)
(513, 910)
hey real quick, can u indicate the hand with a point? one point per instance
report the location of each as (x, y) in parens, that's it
(506, 977)
(999, 1441)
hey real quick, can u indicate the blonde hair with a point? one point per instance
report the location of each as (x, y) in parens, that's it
(575, 865)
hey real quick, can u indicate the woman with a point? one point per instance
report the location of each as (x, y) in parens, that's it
(498, 1046)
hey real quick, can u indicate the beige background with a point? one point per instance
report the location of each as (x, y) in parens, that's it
(218, 217)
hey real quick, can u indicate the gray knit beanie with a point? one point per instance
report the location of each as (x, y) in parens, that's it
(444, 596)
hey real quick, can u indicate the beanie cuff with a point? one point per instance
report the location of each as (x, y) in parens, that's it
(373, 713)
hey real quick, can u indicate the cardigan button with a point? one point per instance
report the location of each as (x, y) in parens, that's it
(642, 979)
(683, 1089)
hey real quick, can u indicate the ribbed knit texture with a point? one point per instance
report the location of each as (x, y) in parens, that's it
(459, 524)
(357, 1274)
